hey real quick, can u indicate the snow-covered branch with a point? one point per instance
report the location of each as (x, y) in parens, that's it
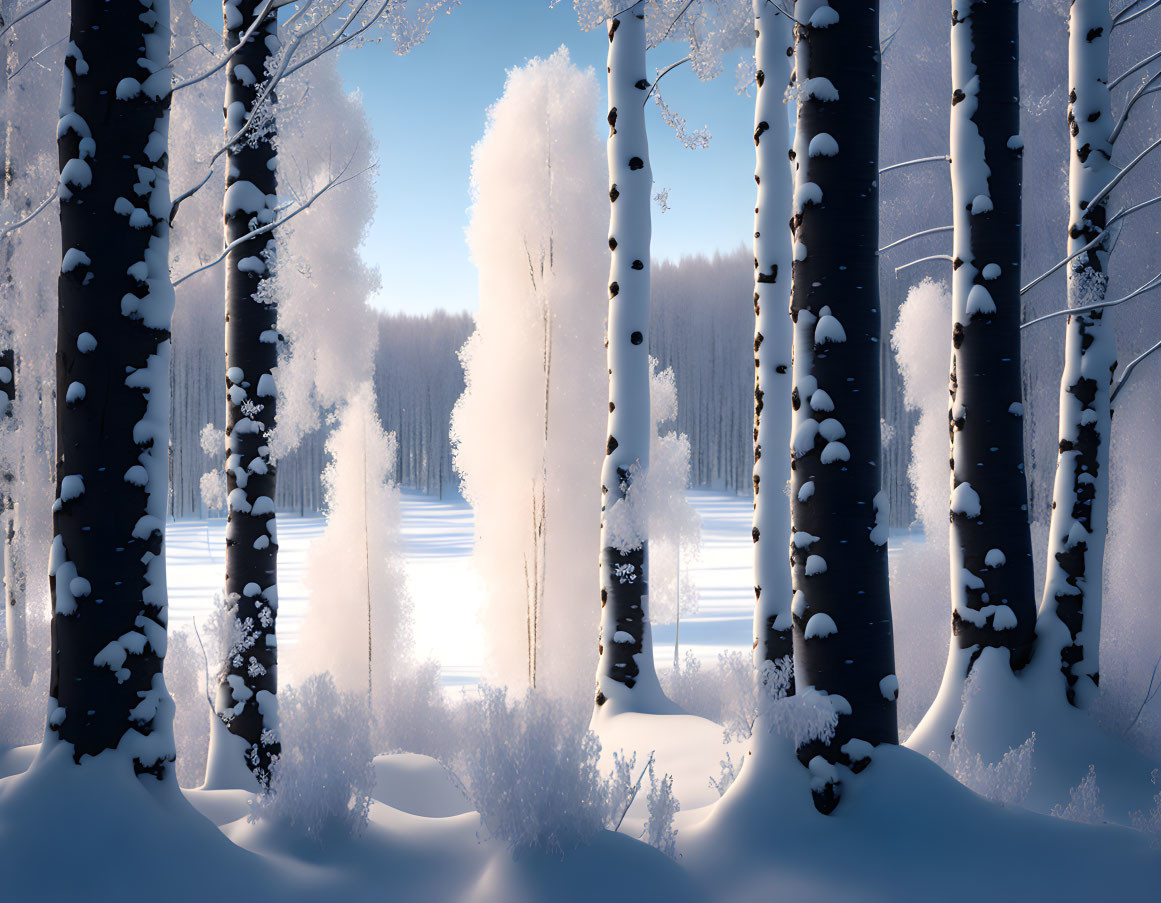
(185, 195)
(912, 263)
(1127, 15)
(1153, 283)
(334, 182)
(1129, 371)
(1148, 86)
(939, 158)
(259, 18)
(8, 26)
(660, 75)
(907, 238)
(1140, 64)
(34, 57)
(8, 230)
(1092, 244)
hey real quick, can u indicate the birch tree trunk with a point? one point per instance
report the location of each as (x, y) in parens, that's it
(1068, 625)
(843, 642)
(991, 557)
(107, 571)
(773, 628)
(626, 679)
(246, 693)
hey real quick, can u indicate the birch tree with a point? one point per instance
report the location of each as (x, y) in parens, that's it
(249, 681)
(773, 52)
(626, 679)
(1072, 586)
(115, 302)
(841, 609)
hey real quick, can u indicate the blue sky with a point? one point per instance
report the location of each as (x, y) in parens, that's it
(428, 109)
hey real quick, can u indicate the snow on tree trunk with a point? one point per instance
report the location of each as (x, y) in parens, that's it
(107, 572)
(626, 678)
(1068, 625)
(993, 597)
(841, 608)
(773, 628)
(246, 693)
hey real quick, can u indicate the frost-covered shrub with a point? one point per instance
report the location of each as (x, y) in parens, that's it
(807, 715)
(185, 678)
(1084, 802)
(1007, 781)
(729, 773)
(1150, 822)
(663, 806)
(322, 782)
(413, 715)
(724, 693)
(532, 772)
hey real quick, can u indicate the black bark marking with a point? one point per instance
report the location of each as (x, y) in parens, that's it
(636, 163)
(636, 338)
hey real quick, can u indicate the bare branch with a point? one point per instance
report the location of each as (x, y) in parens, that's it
(907, 238)
(1129, 371)
(8, 230)
(1153, 283)
(186, 195)
(672, 22)
(942, 157)
(1140, 64)
(32, 58)
(946, 257)
(661, 75)
(1124, 17)
(334, 182)
(1092, 244)
(22, 16)
(1143, 91)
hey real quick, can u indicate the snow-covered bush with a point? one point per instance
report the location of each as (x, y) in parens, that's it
(1084, 802)
(663, 806)
(185, 678)
(1150, 822)
(322, 782)
(1007, 781)
(414, 715)
(531, 769)
(729, 773)
(724, 693)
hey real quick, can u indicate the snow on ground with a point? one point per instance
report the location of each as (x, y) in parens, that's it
(445, 589)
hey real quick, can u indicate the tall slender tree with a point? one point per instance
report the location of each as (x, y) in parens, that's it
(112, 398)
(626, 678)
(992, 582)
(249, 677)
(841, 610)
(773, 261)
(1070, 609)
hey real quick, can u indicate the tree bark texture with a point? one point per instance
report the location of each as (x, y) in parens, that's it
(993, 601)
(841, 610)
(245, 699)
(626, 679)
(1068, 624)
(773, 261)
(107, 570)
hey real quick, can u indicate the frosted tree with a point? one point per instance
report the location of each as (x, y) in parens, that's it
(993, 604)
(841, 606)
(115, 301)
(773, 53)
(358, 620)
(527, 429)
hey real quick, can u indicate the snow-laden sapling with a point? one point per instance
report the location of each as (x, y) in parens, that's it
(322, 780)
(663, 806)
(1084, 802)
(531, 769)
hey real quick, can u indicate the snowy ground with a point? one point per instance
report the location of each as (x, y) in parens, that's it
(437, 545)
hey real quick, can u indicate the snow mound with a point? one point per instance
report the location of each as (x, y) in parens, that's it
(418, 785)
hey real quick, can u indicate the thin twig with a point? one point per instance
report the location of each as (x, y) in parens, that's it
(1150, 692)
(24, 15)
(8, 230)
(1153, 283)
(912, 263)
(906, 238)
(660, 75)
(941, 157)
(633, 795)
(1129, 371)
